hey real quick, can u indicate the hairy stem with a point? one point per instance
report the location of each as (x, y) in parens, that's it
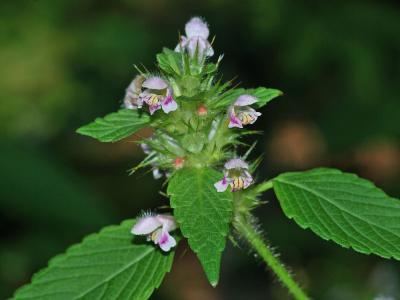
(264, 186)
(247, 230)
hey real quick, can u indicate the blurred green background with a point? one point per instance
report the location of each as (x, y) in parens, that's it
(65, 62)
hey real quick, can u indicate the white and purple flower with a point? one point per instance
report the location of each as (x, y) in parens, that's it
(236, 175)
(132, 99)
(158, 94)
(157, 229)
(196, 39)
(240, 113)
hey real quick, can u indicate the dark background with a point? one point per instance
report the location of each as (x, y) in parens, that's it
(62, 63)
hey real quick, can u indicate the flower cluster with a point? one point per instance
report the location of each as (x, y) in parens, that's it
(199, 130)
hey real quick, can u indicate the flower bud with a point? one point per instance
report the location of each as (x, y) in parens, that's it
(202, 110)
(179, 162)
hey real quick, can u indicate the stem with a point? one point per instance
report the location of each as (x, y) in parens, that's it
(260, 246)
(264, 186)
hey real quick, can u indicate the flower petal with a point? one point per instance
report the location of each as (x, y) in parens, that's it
(169, 104)
(155, 83)
(166, 241)
(234, 121)
(244, 100)
(129, 103)
(132, 99)
(248, 179)
(209, 50)
(248, 115)
(146, 225)
(236, 163)
(197, 27)
(157, 173)
(154, 108)
(168, 222)
(222, 185)
(182, 44)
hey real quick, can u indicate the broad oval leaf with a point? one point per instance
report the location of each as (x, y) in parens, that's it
(106, 265)
(203, 215)
(115, 126)
(342, 207)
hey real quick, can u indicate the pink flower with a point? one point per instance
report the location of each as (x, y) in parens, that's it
(196, 38)
(158, 94)
(157, 229)
(236, 175)
(240, 113)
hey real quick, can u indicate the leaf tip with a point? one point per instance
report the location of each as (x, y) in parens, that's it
(80, 130)
(214, 283)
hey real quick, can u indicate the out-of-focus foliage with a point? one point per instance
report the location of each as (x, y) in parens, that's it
(347, 48)
(65, 62)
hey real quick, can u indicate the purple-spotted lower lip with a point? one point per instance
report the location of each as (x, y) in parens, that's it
(163, 238)
(234, 120)
(168, 100)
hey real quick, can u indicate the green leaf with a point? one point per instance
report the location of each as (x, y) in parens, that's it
(106, 265)
(194, 142)
(228, 97)
(203, 214)
(170, 61)
(342, 207)
(210, 68)
(264, 95)
(115, 126)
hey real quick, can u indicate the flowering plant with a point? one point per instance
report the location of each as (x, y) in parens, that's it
(198, 122)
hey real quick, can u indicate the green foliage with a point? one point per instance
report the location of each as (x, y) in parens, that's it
(203, 214)
(54, 200)
(115, 126)
(229, 97)
(170, 62)
(342, 207)
(194, 142)
(264, 96)
(106, 265)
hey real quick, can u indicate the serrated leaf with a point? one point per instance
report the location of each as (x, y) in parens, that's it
(106, 265)
(229, 97)
(264, 95)
(115, 126)
(342, 207)
(170, 61)
(203, 215)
